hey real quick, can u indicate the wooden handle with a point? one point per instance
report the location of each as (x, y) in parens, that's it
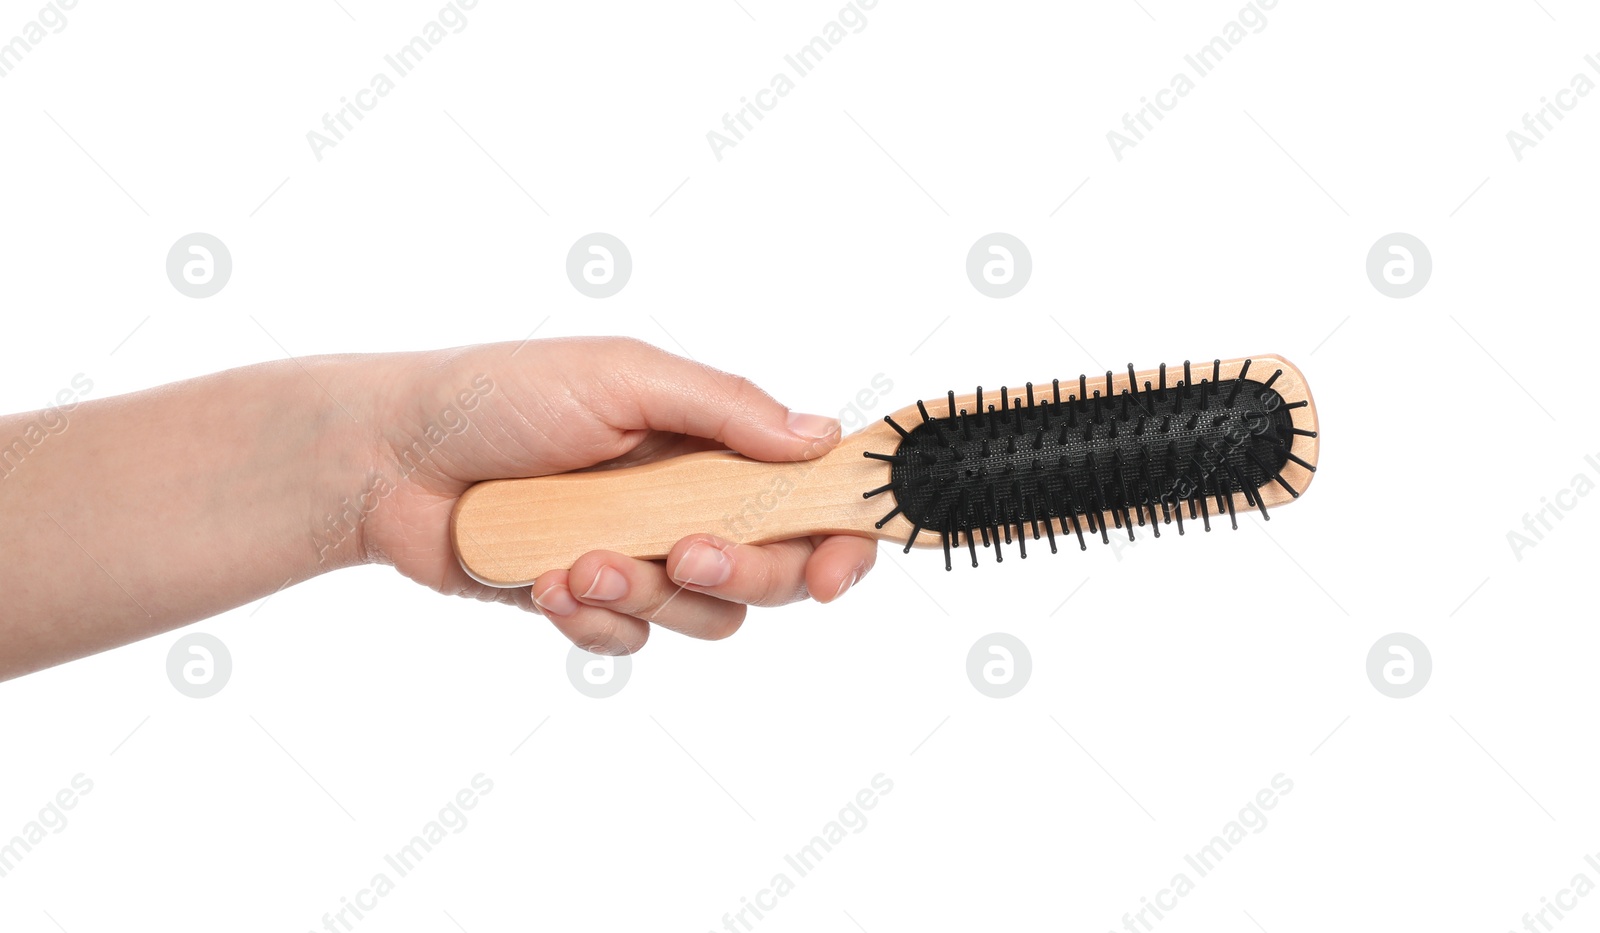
(507, 532)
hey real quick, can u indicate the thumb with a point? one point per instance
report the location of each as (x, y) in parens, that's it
(655, 389)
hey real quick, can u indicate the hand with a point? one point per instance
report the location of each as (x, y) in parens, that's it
(553, 406)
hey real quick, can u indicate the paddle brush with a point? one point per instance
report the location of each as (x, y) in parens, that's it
(1074, 461)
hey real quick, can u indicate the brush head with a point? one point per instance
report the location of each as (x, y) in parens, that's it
(1090, 453)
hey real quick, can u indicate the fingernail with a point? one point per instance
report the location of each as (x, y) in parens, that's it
(852, 580)
(557, 601)
(813, 427)
(608, 585)
(703, 565)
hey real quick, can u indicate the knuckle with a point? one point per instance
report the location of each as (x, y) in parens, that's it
(598, 635)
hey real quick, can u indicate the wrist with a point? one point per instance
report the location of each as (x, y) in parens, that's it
(346, 475)
(414, 409)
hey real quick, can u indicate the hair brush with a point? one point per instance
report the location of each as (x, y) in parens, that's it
(1076, 461)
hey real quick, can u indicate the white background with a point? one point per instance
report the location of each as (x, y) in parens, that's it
(1179, 677)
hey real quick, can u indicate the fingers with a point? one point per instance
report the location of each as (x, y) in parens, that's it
(642, 590)
(839, 563)
(774, 574)
(607, 601)
(593, 629)
(651, 388)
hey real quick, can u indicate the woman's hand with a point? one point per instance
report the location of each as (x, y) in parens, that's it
(129, 516)
(450, 419)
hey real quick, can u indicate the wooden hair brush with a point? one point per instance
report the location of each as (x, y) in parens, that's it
(1075, 460)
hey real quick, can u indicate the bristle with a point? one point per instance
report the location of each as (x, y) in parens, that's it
(1270, 473)
(1238, 381)
(1118, 457)
(1283, 448)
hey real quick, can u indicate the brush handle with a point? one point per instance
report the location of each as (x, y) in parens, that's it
(507, 532)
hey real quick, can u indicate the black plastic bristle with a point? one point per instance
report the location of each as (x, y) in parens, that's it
(1270, 474)
(1238, 381)
(1290, 455)
(889, 419)
(1141, 455)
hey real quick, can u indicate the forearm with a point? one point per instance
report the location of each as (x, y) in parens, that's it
(129, 516)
